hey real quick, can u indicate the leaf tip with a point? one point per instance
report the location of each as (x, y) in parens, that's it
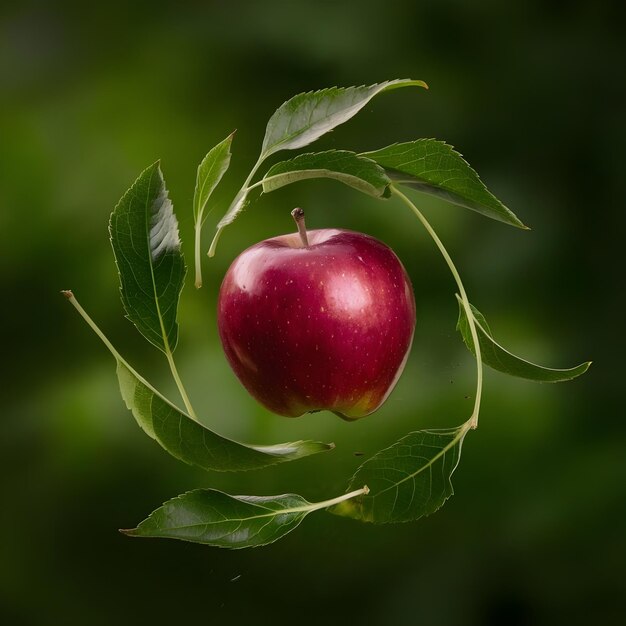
(410, 82)
(129, 532)
(516, 221)
(155, 166)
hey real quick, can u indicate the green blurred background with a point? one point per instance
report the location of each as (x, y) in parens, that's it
(90, 94)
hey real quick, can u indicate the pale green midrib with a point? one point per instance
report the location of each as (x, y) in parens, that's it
(199, 208)
(359, 183)
(147, 214)
(478, 205)
(199, 217)
(500, 207)
(271, 449)
(308, 508)
(271, 149)
(229, 520)
(168, 351)
(381, 87)
(461, 432)
(541, 367)
(198, 212)
(420, 180)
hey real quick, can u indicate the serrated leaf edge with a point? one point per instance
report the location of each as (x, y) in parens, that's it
(376, 87)
(462, 431)
(514, 220)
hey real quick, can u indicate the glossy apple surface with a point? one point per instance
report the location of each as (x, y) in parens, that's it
(323, 326)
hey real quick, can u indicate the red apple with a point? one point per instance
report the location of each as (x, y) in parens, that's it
(320, 320)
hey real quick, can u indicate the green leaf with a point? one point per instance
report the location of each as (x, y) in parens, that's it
(495, 356)
(435, 168)
(144, 235)
(300, 121)
(407, 480)
(215, 518)
(210, 172)
(183, 437)
(347, 167)
(193, 443)
(307, 116)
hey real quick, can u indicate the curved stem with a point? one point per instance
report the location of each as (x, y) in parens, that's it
(170, 359)
(181, 387)
(116, 355)
(198, 263)
(216, 238)
(179, 383)
(74, 302)
(269, 179)
(346, 496)
(316, 506)
(473, 420)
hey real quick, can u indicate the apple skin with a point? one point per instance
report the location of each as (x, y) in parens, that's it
(326, 326)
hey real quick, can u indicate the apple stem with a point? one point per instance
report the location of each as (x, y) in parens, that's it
(298, 216)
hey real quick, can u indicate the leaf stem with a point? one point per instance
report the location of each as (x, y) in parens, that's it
(74, 302)
(346, 496)
(216, 238)
(198, 229)
(473, 420)
(316, 506)
(262, 182)
(118, 357)
(170, 359)
(239, 198)
(181, 387)
(328, 503)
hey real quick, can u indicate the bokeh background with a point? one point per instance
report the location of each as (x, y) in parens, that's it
(531, 93)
